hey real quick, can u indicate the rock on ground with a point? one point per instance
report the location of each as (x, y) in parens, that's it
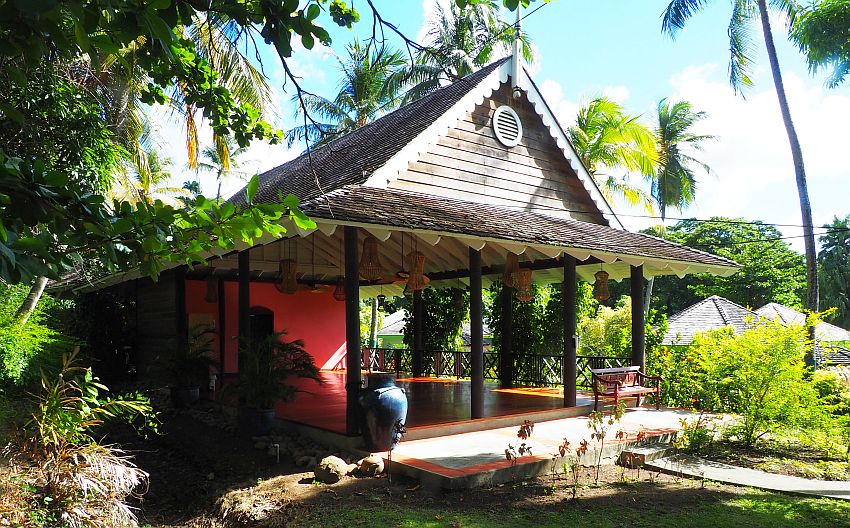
(371, 466)
(330, 470)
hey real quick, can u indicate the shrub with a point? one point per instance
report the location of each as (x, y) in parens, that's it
(759, 375)
(25, 348)
(68, 478)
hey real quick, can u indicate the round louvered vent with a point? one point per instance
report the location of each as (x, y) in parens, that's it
(507, 126)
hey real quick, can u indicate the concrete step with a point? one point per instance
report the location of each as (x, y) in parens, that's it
(639, 456)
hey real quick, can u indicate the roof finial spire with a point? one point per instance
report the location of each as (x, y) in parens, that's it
(517, 55)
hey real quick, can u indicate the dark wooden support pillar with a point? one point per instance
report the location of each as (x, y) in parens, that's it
(638, 318)
(476, 333)
(182, 322)
(244, 302)
(418, 336)
(222, 330)
(506, 359)
(569, 297)
(353, 360)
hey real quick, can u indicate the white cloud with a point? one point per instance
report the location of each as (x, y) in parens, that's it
(565, 110)
(618, 93)
(429, 12)
(754, 174)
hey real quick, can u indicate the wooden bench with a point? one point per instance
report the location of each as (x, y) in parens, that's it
(624, 382)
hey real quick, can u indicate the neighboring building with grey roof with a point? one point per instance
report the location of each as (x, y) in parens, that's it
(716, 312)
(788, 316)
(709, 314)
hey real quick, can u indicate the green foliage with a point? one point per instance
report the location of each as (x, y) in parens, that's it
(265, 369)
(49, 223)
(538, 326)
(67, 476)
(770, 270)
(834, 271)
(25, 348)
(820, 31)
(443, 312)
(759, 375)
(190, 365)
(609, 332)
(61, 123)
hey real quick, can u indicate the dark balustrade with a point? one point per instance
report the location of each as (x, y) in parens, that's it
(534, 370)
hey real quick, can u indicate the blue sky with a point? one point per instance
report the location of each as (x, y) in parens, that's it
(616, 47)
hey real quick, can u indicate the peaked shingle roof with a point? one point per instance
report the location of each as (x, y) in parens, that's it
(412, 210)
(393, 323)
(787, 316)
(709, 314)
(351, 159)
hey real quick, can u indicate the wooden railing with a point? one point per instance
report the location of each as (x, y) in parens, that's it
(536, 370)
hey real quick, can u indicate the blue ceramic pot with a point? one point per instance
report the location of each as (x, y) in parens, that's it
(384, 408)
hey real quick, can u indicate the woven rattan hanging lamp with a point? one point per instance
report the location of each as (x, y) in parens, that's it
(370, 263)
(416, 267)
(339, 289)
(509, 276)
(287, 282)
(600, 286)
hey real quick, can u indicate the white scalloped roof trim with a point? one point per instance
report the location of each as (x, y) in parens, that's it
(390, 171)
(560, 137)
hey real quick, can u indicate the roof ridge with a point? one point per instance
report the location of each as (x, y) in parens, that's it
(720, 309)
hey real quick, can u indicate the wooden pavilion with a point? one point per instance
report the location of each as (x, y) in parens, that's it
(473, 177)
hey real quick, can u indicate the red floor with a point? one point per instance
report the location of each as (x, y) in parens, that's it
(431, 401)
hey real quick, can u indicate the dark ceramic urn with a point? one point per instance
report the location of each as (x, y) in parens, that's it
(383, 412)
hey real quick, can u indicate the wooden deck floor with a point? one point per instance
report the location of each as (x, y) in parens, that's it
(431, 401)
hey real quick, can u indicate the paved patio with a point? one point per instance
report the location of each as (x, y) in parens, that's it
(478, 458)
(696, 467)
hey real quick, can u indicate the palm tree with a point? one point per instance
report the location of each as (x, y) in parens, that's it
(605, 137)
(820, 31)
(744, 13)
(460, 41)
(217, 38)
(371, 84)
(223, 166)
(152, 184)
(673, 181)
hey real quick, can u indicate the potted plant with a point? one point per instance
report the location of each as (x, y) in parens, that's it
(266, 367)
(190, 366)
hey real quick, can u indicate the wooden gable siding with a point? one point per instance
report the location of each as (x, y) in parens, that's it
(469, 163)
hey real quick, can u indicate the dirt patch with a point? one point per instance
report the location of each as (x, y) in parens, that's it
(203, 476)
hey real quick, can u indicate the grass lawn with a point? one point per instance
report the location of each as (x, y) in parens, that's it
(623, 498)
(246, 488)
(751, 508)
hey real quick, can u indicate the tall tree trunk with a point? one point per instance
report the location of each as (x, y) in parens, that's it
(647, 299)
(811, 301)
(373, 328)
(28, 306)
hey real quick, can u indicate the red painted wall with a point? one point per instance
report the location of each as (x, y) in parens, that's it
(316, 318)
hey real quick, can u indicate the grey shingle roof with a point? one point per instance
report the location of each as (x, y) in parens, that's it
(351, 159)
(411, 210)
(709, 314)
(393, 323)
(824, 331)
